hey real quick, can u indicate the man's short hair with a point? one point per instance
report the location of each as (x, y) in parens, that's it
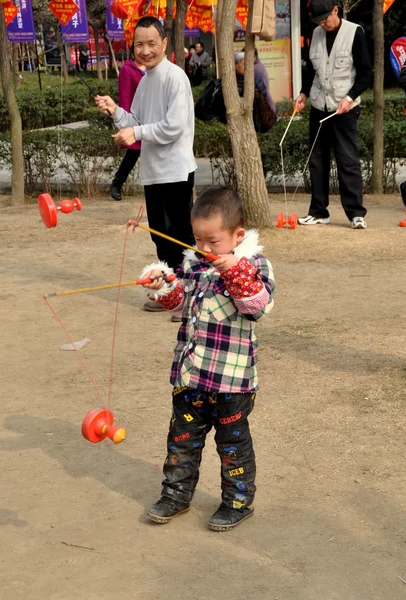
(201, 43)
(220, 201)
(238, 57)
(147, 22)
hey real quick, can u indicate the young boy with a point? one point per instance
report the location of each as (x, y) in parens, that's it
(214, 369)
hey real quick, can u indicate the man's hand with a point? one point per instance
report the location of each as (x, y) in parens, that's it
(106, 105)
(125, 137)
(300, 101)
(225, 262)
(158, 282)
(344, 106)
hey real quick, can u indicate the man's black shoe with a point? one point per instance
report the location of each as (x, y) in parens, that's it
(225, 518)
(403, 192)
(115, 191)
(166, 509)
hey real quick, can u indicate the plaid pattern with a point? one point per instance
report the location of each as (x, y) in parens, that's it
(216, 347)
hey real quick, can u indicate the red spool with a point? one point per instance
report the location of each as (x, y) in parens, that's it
(49, 211)
(99, 424)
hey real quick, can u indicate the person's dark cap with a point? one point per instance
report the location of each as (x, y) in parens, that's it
(320, 9)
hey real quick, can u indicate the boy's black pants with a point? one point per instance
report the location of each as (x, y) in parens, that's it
(168, 209)
(194, 414)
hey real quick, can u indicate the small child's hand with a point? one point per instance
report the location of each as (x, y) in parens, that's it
(225, 262)
(158, 278)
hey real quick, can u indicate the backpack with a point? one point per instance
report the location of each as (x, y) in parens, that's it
(264, 117)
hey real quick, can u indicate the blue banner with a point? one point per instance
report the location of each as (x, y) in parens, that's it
(77, 30)
(21, 29)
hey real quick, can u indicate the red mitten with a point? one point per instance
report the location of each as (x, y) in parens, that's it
(242, 280)
(172, 300)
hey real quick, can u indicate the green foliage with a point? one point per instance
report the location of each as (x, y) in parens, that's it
(212, 141)
(80, 160)
(43, 109)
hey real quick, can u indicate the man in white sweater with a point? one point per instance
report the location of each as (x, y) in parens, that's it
(162, 118)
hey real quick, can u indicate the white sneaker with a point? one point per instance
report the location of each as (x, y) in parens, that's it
(309, 220)
(358, 223)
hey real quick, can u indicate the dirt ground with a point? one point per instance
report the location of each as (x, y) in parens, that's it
(329, 423)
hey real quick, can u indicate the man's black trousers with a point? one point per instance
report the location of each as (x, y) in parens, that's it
(168, 209)
(194, 414)
(340, 133)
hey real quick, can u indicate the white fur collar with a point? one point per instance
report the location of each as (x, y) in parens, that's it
(248, 247)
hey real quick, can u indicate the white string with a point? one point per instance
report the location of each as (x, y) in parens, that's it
(284, 182)
(60, 132)
(308, 158)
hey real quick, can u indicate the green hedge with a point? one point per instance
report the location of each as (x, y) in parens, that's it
(81, 157)
(43, 108)
(212, 141)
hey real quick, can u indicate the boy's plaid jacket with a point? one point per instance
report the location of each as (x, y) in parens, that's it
(216, 347)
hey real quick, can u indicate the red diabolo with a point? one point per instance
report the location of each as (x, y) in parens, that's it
(289, 222)
(99, 424)
(49, 211)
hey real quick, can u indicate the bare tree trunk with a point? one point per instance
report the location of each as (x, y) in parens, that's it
(168, 25)
(17, 174)
(97, 48)
(59, 41)
(113, 56)
(378, 33)
(247, 157)
(16, 71)
(181, 6)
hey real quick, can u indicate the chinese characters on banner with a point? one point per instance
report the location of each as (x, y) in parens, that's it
(21, 29)
(10, 11)
(63, 10)
(114, 26)
(77, 29)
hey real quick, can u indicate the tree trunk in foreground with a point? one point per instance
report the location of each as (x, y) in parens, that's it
(379, 100)
(168, 26)
(180, 33)
(17, 172)
(247, 156)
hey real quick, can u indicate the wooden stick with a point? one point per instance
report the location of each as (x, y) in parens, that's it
(171, 239)
(289, 124)
(104, 287)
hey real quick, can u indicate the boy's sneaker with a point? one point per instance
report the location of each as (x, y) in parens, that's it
(310, 220)
(166, 509)
(225, 518)
(358, 223)
(152, 306)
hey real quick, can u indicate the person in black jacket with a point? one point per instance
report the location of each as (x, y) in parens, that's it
(218, 107)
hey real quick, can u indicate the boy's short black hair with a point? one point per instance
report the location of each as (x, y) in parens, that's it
(192, 46)
(223, 201)
(152, 22)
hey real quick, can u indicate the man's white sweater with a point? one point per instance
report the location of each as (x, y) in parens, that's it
(162, 114)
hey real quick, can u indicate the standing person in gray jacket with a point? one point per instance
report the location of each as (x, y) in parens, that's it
(339, 71)
(200, 62)
(162, 118)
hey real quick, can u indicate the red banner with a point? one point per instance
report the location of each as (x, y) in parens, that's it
(10, 11)
(242, 12)
(63, 10)
(387, 4)
(194, 15)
